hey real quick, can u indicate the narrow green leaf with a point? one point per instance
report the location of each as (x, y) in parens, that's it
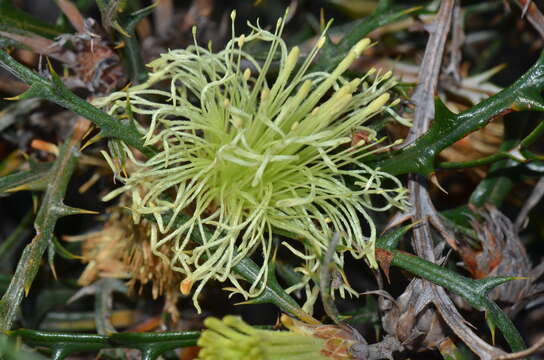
(134, 340)
(331, 55)
(390, 240)
(35, 179)
(491, 326)
(62, 251)
(132, 54)
(64, 344)
(273, 292)
(152, 345)
(485, 285)
(13, 19)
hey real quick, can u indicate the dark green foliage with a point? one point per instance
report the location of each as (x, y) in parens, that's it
(421, 157)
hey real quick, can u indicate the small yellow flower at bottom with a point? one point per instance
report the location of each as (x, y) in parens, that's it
(233, 339)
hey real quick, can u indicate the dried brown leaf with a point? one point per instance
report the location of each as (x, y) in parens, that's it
(384, 258)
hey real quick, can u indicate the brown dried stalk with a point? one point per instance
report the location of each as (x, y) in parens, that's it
(534, 16)
(423, 208)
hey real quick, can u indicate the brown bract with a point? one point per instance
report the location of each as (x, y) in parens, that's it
(502, 254)
(338, 338)
(98, 66)
(412, 321)
(92, 58)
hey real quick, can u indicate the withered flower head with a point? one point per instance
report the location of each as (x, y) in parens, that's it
(122, 250)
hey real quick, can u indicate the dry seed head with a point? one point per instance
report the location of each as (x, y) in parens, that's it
(122, 250)
(242, 154)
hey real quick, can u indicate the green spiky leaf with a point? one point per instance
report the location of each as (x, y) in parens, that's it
(447, 128)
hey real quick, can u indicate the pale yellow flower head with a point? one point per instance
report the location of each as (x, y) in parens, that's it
(244, 154)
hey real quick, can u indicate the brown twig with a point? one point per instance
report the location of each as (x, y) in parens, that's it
(534, 198)
(12, 86)
(521, 354)
(423, 99)
(163, 14)
(43, 46)
(457, 39)
(428, 80)
(73, 14)
(533, 14)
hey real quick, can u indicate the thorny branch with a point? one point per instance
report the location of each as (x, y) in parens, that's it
(51, 209)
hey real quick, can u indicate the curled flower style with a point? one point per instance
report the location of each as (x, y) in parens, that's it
(244, 155)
